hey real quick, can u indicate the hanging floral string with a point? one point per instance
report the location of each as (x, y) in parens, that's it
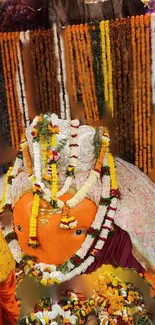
(90, 61)
(143, 78)
(97, 64)
(5, 60)
(135, 90)
(71, 58)
(4, 122)
(148, 92)
(109, 65)
(130, 98)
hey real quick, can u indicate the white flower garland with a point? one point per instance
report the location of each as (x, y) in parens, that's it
(62, 111)
(68, 113)
(73, 156)
(153, 55)
(22, 89)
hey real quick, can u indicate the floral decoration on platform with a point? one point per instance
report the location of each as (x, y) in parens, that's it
(113, 302)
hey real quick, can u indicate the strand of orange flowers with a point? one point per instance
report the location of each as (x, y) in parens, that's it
(11, 88)
(143, 78)
(79, 67)
(148, 90)
(89, 56)
(83, 51)
(135, 90)
(71, 59)
(137, 22)
(26, 155)
(104, 59)
(13, 69)
(84, 76)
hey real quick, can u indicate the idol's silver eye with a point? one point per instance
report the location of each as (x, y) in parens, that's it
(79, 232)
(19, 228)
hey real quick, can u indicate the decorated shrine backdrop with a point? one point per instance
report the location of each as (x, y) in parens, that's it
(109, 61)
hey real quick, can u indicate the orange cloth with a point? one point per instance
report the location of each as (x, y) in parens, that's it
(9, 311)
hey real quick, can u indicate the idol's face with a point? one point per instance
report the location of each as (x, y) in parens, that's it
(56, 245)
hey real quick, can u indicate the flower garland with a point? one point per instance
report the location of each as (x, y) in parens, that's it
(147, 19)
(64, 76)
(129, 125)
(113, 301)
(104, 60)
(4, 122)
(5, 60)
(73, 158)
(133, 35)
(143, 64)
(71, 57)
(84, 60)
(92, 77)
(153, 56)
(109, 65)
(61, 97)
(81, 70)
(21, 86)
(97, 64)
(137, 21)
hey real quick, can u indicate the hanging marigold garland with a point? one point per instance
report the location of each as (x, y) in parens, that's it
(139, 72)
(135, 90)
(130, 99)
(148, 92)
(143, 78)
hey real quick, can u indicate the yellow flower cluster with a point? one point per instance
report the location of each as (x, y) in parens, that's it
(111, 163)
(104, 60)
(107, 63)
(44, 156)
(2, 203)
(54, 182)
(54, 140)
(33, 221)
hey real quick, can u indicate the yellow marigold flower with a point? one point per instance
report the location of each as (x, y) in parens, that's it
(43, 282)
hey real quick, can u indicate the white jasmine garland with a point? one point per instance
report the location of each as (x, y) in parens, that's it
(81, 194)
(68, 113)
(37, 161)
(74, 152)
(62, 111)
(25, 110)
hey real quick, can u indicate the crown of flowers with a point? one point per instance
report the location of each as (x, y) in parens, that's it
(43, 174)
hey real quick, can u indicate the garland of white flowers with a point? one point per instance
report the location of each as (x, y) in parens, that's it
(73, 158)
(62, 110)
(68, 113)
(21, 88)
(153, 55)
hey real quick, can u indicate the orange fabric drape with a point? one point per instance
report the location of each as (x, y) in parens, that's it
(9, 310)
